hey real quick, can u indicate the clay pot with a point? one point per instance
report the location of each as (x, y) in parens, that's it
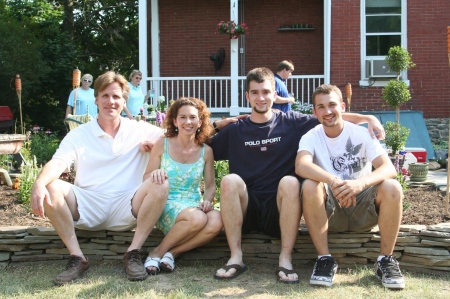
(419, 172)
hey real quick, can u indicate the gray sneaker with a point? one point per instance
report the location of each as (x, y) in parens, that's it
(388, 271)
(75, 268)
(133, 265)
(324, 270)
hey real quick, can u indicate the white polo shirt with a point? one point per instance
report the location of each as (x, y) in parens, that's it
(105, 164)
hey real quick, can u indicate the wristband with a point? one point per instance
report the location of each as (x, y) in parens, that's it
(215, 127)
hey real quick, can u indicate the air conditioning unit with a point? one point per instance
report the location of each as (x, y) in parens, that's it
(379, 69)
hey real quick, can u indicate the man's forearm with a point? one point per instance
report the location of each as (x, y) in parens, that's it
(357, 118)
(281, 100)
(51, 171)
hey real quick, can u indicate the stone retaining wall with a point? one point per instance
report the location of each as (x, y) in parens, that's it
(437, 129)
(418, 247)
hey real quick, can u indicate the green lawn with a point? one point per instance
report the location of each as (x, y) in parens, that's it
(195, 280)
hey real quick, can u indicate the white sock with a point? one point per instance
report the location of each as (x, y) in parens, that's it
(380, 257)
(320, 256)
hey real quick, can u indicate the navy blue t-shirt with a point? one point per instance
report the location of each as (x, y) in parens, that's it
(262, 153)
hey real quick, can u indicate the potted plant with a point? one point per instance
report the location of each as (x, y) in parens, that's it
(395, 94)
(232, 29)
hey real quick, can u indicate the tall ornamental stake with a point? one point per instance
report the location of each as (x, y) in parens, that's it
(348, 92)
(448, 168)
(76, 79)
(19, 95)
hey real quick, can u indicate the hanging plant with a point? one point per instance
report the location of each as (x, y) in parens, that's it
(232, 29)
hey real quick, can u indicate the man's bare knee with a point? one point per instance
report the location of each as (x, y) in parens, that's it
(311, 189)
(290, 183)
(390, 191)
(289, 187)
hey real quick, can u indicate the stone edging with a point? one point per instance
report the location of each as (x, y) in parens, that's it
(418, 247)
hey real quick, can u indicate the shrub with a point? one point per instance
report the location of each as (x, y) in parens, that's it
(43, 144)
(221, 169)
(399, 59)
(396, 136)
(302, 108)
(396, 93)
(30, 172)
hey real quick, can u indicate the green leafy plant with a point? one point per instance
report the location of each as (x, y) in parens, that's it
(221, 169)
(440, 145)
(399, 60)
(302, 108)
(396, 92)
(161, 104)
(396, 136)
(43, 144)
(30, 172)
(150, 109)
(6, 161)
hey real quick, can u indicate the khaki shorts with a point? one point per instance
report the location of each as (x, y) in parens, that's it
(99, 211)
(360, 218)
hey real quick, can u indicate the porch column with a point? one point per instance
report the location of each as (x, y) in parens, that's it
(143, 62)
(326, 40)
(234, 63)
(155, 48)
(143, 45)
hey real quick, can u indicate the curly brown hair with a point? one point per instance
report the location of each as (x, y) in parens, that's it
(206, 128)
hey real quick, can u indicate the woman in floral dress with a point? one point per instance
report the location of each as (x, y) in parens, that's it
(182, 159)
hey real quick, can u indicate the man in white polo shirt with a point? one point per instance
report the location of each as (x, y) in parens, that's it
(108, 192)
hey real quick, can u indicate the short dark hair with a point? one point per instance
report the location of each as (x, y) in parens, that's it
(260, 75)
(285, 64)
(326, 89)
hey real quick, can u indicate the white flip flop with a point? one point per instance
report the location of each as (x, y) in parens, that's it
(152, 262)
(168, 259)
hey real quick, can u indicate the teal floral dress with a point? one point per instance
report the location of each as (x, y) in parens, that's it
(184, 190)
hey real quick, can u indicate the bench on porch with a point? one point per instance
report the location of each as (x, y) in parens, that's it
(419, 247)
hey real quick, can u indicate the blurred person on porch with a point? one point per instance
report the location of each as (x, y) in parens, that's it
(284, 99)
(136, 99)
(83, 97)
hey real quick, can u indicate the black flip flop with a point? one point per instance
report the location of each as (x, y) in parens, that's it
(286, 272)
(239, 270)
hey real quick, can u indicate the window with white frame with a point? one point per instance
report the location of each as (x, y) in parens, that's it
(383, 25)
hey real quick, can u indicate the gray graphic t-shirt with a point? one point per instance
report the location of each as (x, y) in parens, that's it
(348, 156)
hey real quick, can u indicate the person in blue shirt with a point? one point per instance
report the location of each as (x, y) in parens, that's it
(283, 99)
(136, 97)
(83, 97)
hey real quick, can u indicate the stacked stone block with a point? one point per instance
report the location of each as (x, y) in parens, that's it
(418, 247)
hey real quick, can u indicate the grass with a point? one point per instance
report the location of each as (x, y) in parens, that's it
(194, 280)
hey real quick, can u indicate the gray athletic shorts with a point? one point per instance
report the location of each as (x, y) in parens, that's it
(360, 218)
(99, 211)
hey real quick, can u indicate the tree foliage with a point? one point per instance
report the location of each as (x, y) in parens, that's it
(396, 93)
(396, 136)
(44, 40)
(399, 60)
(107, 33)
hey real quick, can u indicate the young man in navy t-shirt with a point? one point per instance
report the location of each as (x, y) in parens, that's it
(262, 191)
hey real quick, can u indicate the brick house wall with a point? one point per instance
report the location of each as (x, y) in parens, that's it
(427, 42)
(187, 36)
(187, 39)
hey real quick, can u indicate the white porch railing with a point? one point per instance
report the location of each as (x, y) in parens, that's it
(216, 91)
